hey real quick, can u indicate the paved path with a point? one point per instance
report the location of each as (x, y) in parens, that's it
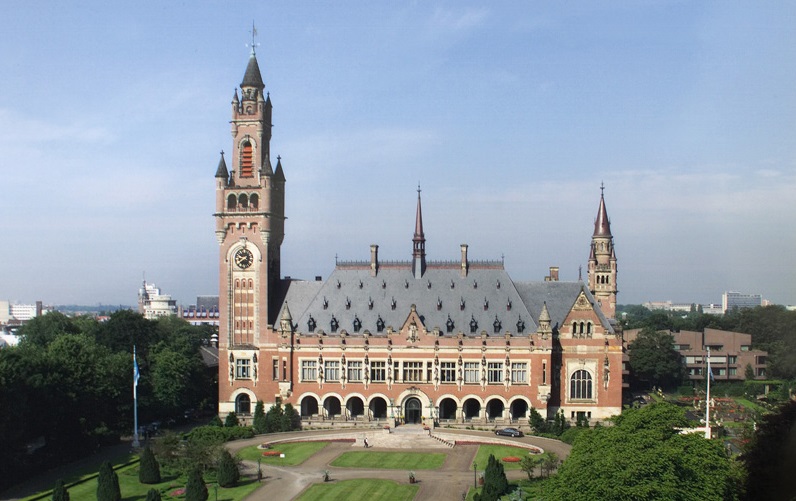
(445, 483)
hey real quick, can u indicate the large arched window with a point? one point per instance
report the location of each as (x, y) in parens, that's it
(243, 404)
(580, 385)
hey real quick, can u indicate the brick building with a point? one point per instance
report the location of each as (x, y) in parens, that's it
(457, 342)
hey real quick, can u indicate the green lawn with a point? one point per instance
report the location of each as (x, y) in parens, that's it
(383, 490)
(750, 405)
(133, 490)
(499, 451)
(295, 453)
(390, 460)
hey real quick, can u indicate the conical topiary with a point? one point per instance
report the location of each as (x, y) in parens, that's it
(59, 492)
(153, 495)
(227, 472)
(108, 484)
(259, 418)
(195, 489)
(149, 469)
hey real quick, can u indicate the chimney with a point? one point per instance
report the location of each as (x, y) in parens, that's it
(464, 260)
(553, 276)
(374, 260)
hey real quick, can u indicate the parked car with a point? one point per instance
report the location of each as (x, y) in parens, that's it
(509, 432)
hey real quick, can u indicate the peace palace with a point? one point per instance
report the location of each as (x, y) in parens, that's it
(450, 343)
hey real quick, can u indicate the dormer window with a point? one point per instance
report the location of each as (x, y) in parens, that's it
(520, 325)
(406, 284)
(439, 304)
(383, 284)
(508, 305)
(461, 304)
(339, 284)
(357, 323)
(498, 284)
(334, 324)
(475, 284)
(379, 324)
(449, 325)
(347, 304)
(393, 304)
(311, 324)
(486, 304)
(325, 303)
(452, 284)
(473, 325)
(496, 324)
(428, 285)
(370, 303)
(360, 284)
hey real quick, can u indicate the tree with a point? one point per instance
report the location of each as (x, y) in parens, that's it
(227, 471)
(749, 372)
(153, 495)
(195, 488)
(59, 492)
(231, 420)
(549, 462)
(529, 463)
(292, 418)
(537, 422)
(108, 484)
(495, 482)
(644, 457)
(771, 457)
(259, 418)
(149, 469)
(654, 360)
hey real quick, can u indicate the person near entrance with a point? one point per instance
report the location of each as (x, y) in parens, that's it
(366, 442)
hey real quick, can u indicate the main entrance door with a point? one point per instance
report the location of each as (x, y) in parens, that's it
(413, 411)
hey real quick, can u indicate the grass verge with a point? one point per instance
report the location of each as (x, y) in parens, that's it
(385, 490)
(390, 460)
(295, 453)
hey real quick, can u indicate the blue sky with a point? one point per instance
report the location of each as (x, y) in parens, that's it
(509, 115)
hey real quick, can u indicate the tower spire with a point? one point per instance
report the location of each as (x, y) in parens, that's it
(602, 225)
(419, 241)
(602, 261)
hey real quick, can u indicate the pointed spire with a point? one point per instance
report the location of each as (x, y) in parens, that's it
(253, 77)
(222, 168)
(602, 225)
(418, 242)
(544, 316)
(279, 175)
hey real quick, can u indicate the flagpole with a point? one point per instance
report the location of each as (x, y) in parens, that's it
(136, 375)
(708, 377)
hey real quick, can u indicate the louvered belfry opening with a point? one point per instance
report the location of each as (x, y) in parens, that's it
(246, 166)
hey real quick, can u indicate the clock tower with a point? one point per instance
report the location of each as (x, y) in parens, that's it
(250, 215)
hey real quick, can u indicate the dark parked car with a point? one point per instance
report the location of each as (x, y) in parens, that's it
(509, 432)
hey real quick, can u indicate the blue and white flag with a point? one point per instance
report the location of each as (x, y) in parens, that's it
(136, 372)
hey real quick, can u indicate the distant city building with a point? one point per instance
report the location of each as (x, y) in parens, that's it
(669, 306)
(153, 304)
(13, 314)
(730, 353)
(731, 300)
(712, 309)
(204, 312)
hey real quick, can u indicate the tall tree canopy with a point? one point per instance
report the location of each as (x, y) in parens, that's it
(644, 457)
(654, 360)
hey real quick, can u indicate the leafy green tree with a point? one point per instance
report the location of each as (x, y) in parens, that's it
(153, 495)
(528, 464)
(231, 420)
(749, 372)
(59, 492)
(771, 457)
(259, 418)
(195, 488)
(549, 462)
(108, 484)
(644, 457)
(537, 422)
(654, 360)
(227, 471)
(495, 482)
(44, 329)
(293, 418)
(149, 469)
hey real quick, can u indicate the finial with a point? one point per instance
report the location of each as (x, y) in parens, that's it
(418, 188)
(222, 153)
(602, 188)
(279, 157)
(254, 34)
(580, 273)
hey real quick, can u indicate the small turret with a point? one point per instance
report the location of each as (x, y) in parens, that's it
(221, 171)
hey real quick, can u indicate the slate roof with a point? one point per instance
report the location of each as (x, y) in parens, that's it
(253, 77)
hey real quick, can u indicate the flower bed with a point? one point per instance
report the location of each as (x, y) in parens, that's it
(272, 453)
(511, 459)
(177, 492)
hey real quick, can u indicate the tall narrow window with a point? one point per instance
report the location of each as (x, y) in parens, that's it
(246, 164)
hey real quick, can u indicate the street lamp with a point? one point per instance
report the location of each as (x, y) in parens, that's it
(475, 480)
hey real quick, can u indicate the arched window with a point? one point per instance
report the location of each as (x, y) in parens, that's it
(588, 329)
(243, 201)
(243, 404)
(246, 165)
(254, 201)
(580, 385)
(232, 202)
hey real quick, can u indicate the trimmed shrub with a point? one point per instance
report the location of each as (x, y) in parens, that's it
(59, 492)
(153, 495)
(227, 473)
(149, 469)
(231, 420)
(495, 482)
(195, 489)
(108, 484)
(259, 418)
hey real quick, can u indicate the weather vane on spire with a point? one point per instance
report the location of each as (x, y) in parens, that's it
(254, 34)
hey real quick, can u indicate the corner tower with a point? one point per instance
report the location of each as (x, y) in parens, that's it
(602, 261)
(249, 218)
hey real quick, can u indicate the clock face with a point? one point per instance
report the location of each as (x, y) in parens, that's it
(244, 258)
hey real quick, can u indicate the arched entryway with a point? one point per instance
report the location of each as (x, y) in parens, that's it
(332, 407)
(309, 406)
(494, 409)
(243, 404)
(355, 407)
(518, 409)
(471, 408)
(378, 408)
(447, 408)
(413, 411)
